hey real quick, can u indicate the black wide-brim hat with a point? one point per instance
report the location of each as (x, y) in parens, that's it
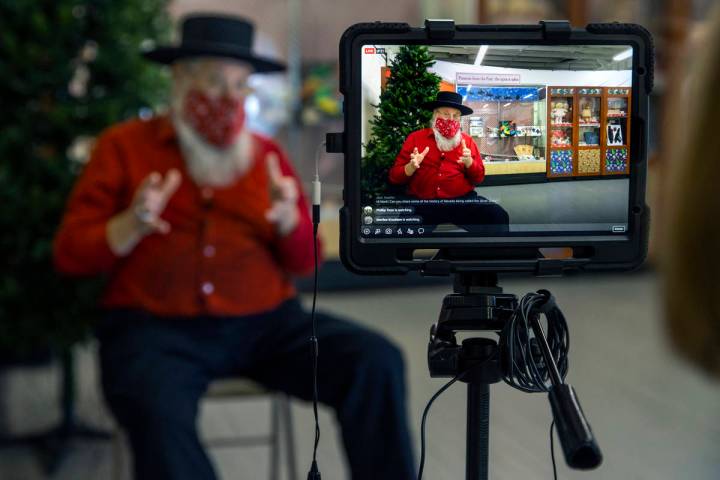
(215, 35)
(448, 99)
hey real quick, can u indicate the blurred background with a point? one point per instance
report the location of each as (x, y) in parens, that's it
(70, 68)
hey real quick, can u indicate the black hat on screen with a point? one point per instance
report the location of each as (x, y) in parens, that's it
(448, 99)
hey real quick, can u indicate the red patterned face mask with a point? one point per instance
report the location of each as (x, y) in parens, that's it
(447, 128)
(218, 120)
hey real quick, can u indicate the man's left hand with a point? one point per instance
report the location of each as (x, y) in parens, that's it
(284, 195)
(466, 158)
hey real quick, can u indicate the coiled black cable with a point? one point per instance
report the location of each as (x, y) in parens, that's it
(523, 365)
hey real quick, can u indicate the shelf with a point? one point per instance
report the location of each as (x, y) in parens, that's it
(617, 116)
(589, 124)
(561, 125)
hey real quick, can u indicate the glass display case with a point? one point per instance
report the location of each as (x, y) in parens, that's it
(508, 126)
(589, 131)
(617, 131)
(562, 120)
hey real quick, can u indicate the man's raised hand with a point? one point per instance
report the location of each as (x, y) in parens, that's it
(416, 158)
(466, 158)
(284, 194)
(151, 198)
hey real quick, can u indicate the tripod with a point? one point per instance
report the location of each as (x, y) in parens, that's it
(478, 304)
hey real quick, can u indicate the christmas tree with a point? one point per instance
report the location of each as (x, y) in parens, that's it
(68, 69)
(399, 114)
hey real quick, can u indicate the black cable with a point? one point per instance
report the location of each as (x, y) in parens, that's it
(429, 404)
(314, 342)
(314, 473)
(525, 368)
(552, 449)
(424, 418)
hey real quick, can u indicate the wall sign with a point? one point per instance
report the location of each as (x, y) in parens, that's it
(487, 78)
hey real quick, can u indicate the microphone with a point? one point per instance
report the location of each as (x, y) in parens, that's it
(578, 442)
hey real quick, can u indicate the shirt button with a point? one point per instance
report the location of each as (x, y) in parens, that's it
(209, 251)
(207, 193)
(208, 288)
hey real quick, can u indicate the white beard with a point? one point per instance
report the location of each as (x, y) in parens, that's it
(447, 144)
(210, 166)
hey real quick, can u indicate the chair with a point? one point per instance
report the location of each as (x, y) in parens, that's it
(239, 388)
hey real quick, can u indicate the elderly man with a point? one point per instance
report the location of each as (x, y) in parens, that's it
(199, 226)
(442, 162)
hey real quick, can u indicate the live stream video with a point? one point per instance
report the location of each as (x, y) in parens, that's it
(495, 140)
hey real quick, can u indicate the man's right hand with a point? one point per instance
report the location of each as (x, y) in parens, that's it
(142, 217)
(416, 159)
(150, 200)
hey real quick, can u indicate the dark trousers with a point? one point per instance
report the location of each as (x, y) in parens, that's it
(155, 371)
(484, 217)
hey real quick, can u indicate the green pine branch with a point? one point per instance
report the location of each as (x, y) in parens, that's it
(43, 47)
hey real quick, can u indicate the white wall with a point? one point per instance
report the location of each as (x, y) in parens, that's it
(570, 78)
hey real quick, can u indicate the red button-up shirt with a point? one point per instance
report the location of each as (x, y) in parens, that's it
(222, 257)
(440, 175)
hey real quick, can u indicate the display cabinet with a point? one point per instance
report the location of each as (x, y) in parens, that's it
(562, 128)
(589, 128)
(589, 150)
(617, 131)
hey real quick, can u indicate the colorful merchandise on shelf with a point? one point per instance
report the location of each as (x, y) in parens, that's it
(614, 135)
(477, 126)
(560, 138)
(507, 128)
(618, 91)
(586, 113)
(561, 162)
(591, 138)
(524, 152)
(617, 107)
(560, 112)
(589, 161)
(529, 131)
(616, 160)
(595, 137)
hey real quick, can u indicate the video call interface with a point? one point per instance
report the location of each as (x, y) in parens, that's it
(513, 140)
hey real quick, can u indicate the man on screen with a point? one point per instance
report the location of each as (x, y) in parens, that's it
(442, 162)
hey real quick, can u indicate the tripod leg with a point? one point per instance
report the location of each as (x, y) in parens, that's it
(478, 423)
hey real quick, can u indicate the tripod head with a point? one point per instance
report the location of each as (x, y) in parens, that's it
(522, 356)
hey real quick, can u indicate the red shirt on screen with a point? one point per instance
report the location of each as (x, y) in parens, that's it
(440, 175)
(222, 257)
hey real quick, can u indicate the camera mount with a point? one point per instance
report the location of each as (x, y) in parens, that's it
(593, 242)
(478, 304)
